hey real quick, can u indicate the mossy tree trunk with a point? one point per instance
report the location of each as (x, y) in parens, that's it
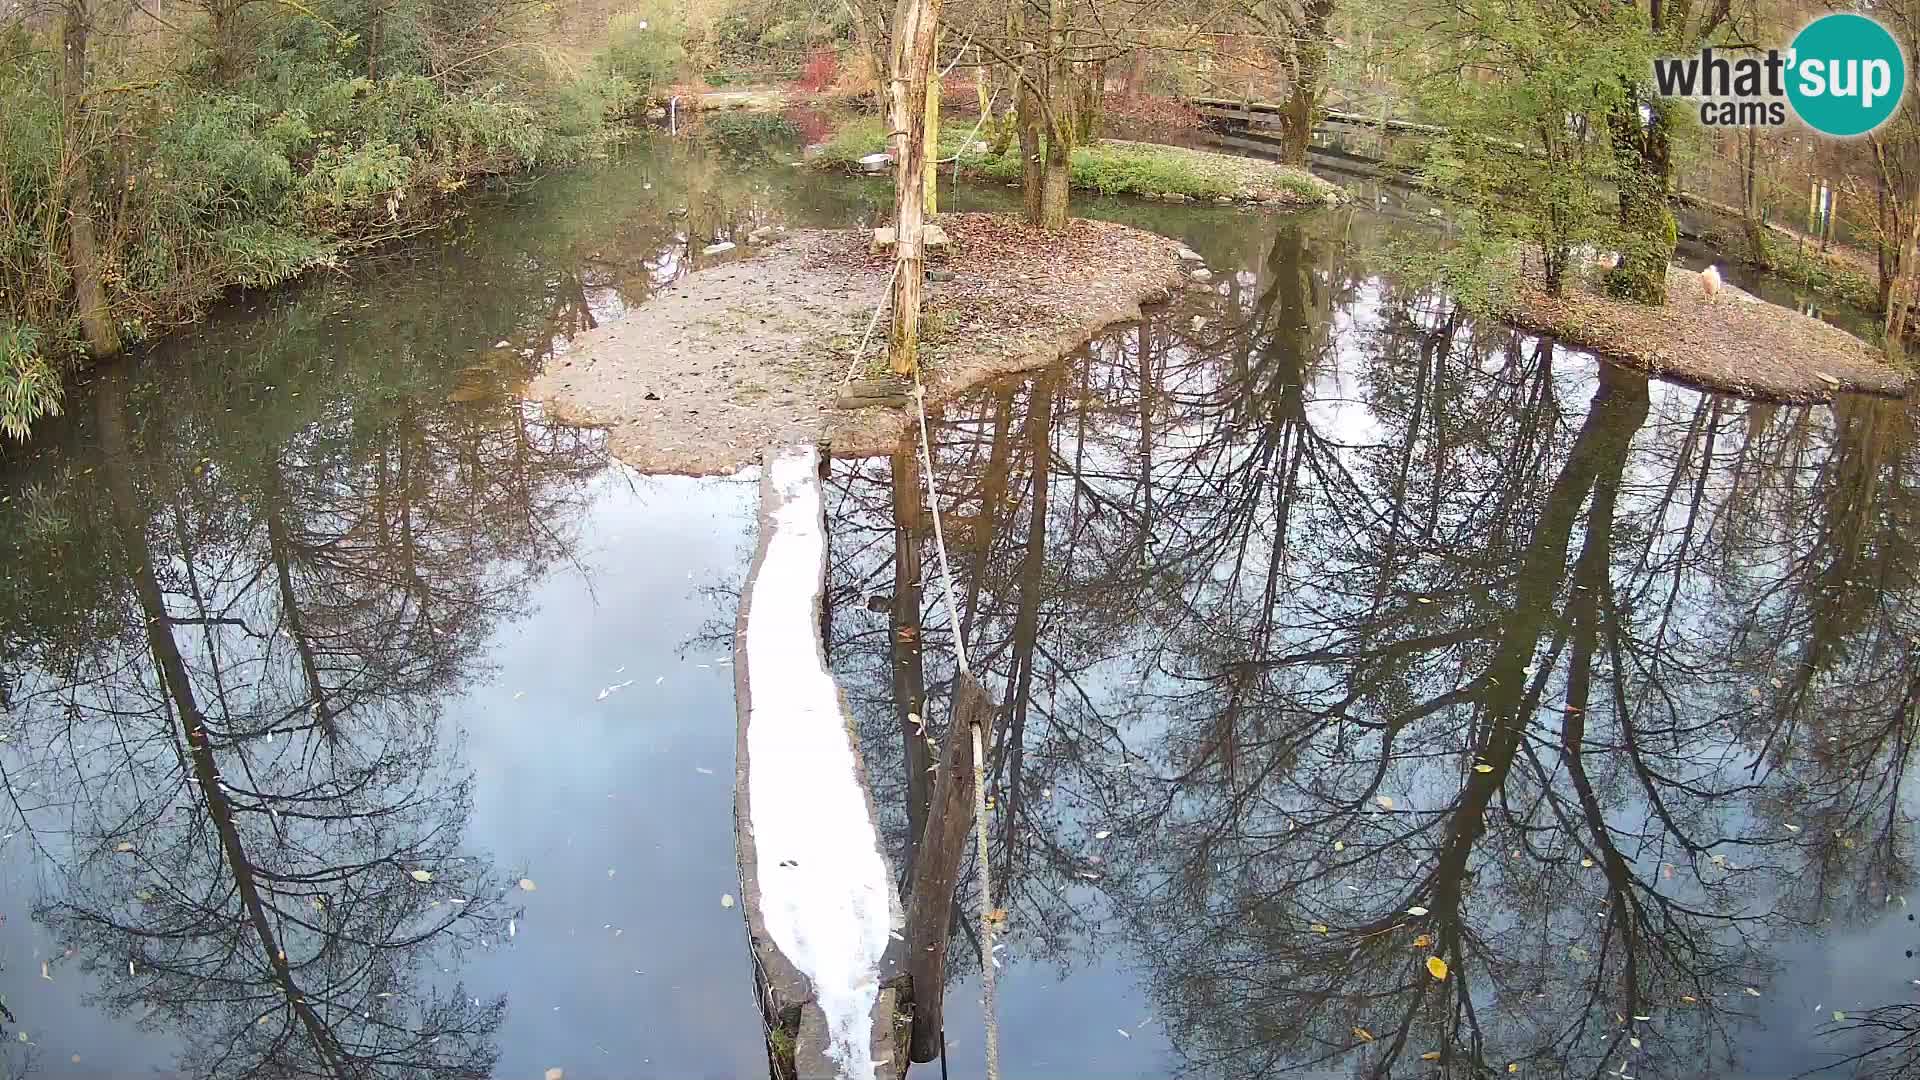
(1027, 119)
(932, 137)
(1089, 95)
(1759, 252)
(83, 243)
(1310, 50)
(1643, 163)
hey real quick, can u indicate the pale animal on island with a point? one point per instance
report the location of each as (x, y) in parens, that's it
(1710, 280)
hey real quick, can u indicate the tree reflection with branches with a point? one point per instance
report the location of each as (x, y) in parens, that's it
(1339, 632)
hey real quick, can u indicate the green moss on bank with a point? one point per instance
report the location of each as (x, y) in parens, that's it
(1825, 275)
(1107, 167)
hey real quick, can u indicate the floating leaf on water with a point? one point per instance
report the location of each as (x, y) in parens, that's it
(422, 876)
(1123, 1033)
(1530, 670)
(1634, 1042)
(1791, 828)
(1416, 911)
(1586, 863)
(726, 900)
(1688, 998)
(1103, 834)
(1578, 954)
(1513, 1066)
(1318, 928)
(1642, 1019)
(556, 1074)
(123, 847)
(1339, 845)
(1751, 992)
(1363, 1034)
(527, 885)
(512, 927)
(1437, 968)
(609, 871)
(1431, 1055)
(1666, 871)
(1483, 767)
(1839, 1017)
(1424, 941)
(1386, 803)
(44, 972)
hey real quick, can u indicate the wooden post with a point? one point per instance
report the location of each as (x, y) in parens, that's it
(916, 23)
(936, 871)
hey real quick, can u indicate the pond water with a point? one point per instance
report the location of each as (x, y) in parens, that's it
(356, 721)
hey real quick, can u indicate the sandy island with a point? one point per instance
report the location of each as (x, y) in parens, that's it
(1730, 341)
(753, 353)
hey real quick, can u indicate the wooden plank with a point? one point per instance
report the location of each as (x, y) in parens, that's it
(936, 871)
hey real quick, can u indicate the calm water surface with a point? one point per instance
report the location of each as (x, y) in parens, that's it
(358, 722)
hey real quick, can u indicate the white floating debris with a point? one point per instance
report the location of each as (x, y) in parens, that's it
(726, 900)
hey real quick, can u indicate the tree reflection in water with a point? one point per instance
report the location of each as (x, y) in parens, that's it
(1337, 631)
(245, 804)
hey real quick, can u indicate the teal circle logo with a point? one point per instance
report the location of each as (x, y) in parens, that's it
(1845, 75)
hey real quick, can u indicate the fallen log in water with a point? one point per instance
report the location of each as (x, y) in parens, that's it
(818, 896)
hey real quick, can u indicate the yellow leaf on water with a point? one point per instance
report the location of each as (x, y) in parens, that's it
(1437, 967)
(1483, 767)
(1424, 941)
(422, 876)
(1363, 1034)
(1839, 1017)
(123, 846)
(1431, 1055)
(1513, 1066)
(1688, 998)
(1416, 911)
(1339, 845)
(1318, 928)
(1385, 802)
(1634, 1042)
(526, 883)
(1586, 862)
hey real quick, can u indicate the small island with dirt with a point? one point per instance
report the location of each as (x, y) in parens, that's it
(763, 348)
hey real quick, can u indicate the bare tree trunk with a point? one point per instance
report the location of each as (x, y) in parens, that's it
(932, 137)
(1027, 116)
(83, 245)
(916, 23)
(1054, 186)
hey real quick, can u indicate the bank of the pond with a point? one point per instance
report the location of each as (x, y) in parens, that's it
(1727, 340)
(755, 351)
(1109, 167)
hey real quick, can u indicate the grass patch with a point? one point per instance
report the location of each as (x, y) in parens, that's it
(1825, 275)
(1107, 167)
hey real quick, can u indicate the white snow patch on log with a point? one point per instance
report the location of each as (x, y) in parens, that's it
(823, 885)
